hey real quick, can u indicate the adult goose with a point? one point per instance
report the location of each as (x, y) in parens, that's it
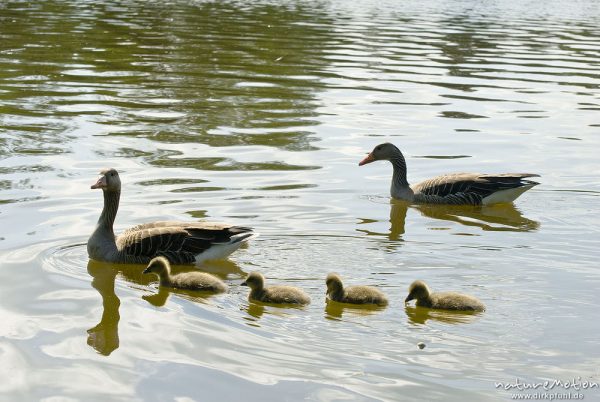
(181, 243)
(456, 189)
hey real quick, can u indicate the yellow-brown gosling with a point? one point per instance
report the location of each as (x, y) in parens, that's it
(273, 294)
(442, 300)
(353, 294)
(187, 280)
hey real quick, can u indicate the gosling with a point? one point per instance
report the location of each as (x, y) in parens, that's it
(442, 300)
(187, 280)
(273, 294)
(353, 294)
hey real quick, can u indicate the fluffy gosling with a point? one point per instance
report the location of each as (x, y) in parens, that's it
(442, 300)
(187, 280)
(273, 294)
(353, 294)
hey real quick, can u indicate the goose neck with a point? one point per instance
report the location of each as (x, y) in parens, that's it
(109, 212)
(399, 178)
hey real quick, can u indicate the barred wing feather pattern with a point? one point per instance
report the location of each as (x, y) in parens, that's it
(179, 242)
(467, 188)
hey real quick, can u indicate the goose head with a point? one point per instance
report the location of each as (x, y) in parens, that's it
(334, 283)
(158, 266)
(385, 151)
(255, 280)
(108, 181)
(417, 290)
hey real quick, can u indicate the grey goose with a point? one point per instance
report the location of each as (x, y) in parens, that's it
(180, 242)
(456, 189)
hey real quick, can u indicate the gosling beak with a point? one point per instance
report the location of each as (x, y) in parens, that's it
(101, 183)
(146, 271)
(408, 298)
(368, 159)
(243, 284)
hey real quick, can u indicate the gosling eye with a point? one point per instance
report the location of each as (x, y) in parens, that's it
(378, 148)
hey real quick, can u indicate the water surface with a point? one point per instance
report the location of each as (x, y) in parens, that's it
(258, 113)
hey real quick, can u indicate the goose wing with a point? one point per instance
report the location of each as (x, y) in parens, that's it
(468, 188)
(179, 242)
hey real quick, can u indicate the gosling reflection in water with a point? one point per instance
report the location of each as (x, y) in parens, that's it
(420, 315)
(160, 298)
(335, 310)
(499, 217)
(104, 337)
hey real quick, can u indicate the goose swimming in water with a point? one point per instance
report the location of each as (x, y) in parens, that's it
(180, 242)
(442, 300)
(186, 280)
(456, 189)
(353, 294)
(273, 294)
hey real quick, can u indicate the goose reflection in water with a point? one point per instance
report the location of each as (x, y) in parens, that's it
(499, 217)
(420, 315)
(104, 337)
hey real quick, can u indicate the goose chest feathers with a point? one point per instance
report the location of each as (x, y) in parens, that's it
(456, 188)
(182, 243)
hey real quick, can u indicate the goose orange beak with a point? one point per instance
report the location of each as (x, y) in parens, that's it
(368, 159)
(101, 183)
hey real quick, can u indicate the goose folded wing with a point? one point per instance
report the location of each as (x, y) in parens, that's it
(471, 185)
(145, 240)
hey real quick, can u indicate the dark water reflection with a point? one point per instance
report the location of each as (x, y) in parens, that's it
(420, 316)
(104, 337)
(502, 217)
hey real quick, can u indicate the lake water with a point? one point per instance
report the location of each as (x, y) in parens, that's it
(257, 113)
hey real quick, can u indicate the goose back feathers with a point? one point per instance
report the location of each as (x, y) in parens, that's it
(456, 189)
(179, 242)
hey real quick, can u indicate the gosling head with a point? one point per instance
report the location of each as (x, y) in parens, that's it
(108, 181)
(417, 290)
(334, 283)
(255, 280)
(385, 151)
(158, 266)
